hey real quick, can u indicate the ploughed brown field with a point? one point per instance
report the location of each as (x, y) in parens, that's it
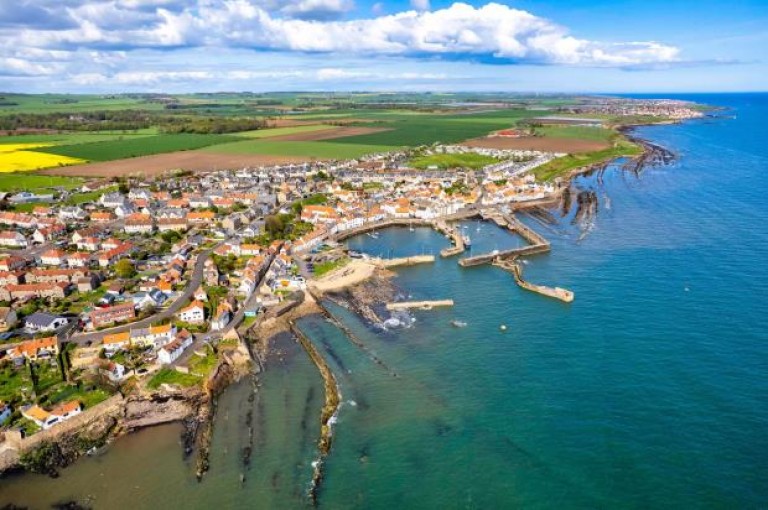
(159, 164)
(538, 143)
(325, 134)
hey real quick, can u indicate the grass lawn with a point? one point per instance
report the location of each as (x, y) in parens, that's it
(202, 365)
(320, 149)
(171, 376)
(13, 381)
(139, 146)
(88, 398)
(326, 267)
(90, 196)
(446, 161)
(29, 181)
(566, 164)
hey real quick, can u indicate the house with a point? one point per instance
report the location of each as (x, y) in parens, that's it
(139, 224)
(12, 263)
(222, 317)
(193, 314)
(8, 318)
(53, 257)
(43, 290)
(115, 372)
(88, 283)
(171, 351)
(177, 224)
(72, 213)
(112, 200)
(201, 218)
(40, 322)
(13, 239)
(110, 315)
(143, 300)
(38, 348)
(116, 342)
(79, 259)
(102, 217)
(211, 273)
(5, 413)
(153, 336)
(47, 419)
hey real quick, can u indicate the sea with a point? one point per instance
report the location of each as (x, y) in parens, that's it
(650, 390)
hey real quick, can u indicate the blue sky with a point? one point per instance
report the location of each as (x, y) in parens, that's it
(436, 45)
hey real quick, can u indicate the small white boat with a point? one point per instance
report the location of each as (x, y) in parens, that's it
(411, 229)
(458, 324)
(373, 235)
(467, 240)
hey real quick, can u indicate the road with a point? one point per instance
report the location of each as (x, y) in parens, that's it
(194, 282)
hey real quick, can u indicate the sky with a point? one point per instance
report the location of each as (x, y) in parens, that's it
(112, 46)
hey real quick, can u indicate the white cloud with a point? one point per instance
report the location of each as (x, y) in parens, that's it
(420, 5)
(493, 31)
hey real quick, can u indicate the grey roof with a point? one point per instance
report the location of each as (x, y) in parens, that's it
(41, 319)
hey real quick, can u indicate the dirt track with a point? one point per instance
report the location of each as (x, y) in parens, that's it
(539, 143)
(158, 164)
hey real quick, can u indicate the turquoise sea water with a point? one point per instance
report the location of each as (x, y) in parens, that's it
(648, 391)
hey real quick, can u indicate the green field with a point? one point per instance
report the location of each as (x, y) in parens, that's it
(445, 161)
(27, 181)
(428, 129)
(320, 149)
(267, 133)
(140, 146)
(65, 103)
(72, 138)
(566, 164)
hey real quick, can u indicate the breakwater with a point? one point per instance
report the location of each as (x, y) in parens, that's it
(420, 305)
(512, 266)
(329, 411)
(536, 242)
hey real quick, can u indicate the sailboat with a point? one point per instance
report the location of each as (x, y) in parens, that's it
(467, 240)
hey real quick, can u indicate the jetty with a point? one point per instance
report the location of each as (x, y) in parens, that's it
(422, 305)
(404, 261)
(536, 243)
(456, 238)
(512, 266)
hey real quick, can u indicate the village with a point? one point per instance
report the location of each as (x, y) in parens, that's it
(144, 282)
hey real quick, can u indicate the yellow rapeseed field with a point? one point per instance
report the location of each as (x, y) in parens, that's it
(16, 157)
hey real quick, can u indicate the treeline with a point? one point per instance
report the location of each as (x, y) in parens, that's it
(211, 125)
(129, 120)
(121, 120)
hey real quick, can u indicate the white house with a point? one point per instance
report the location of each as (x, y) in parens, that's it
(171, 351)
(193, 314)
(45, 419)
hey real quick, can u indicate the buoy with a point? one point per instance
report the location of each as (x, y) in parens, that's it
(503, 327)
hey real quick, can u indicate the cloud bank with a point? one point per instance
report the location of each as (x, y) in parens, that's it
(81, 38)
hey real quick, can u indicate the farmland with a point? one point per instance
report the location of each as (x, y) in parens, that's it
(142, 146)
(295, 127)
(28, 156)
(309, 149)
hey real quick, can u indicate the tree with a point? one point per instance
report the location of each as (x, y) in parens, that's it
(274, 225)
(124, 269)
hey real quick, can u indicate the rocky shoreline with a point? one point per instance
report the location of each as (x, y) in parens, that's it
(51, 450)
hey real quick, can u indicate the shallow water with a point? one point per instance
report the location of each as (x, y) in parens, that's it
(647, 391)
